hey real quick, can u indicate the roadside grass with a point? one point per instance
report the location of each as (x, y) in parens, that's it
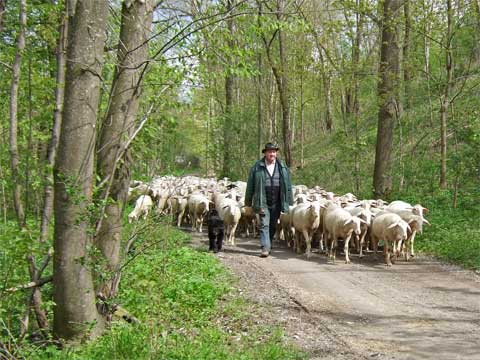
(187, 307)
(455, 233)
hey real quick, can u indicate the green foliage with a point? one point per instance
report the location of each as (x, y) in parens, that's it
(187, 308)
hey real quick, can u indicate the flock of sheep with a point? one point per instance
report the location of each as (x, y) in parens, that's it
(316, 216)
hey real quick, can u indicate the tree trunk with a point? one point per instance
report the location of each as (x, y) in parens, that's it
(75, 313)
(117, 129)
(259, 104)
(227, 118)
(14, 156)
(57, 123)
(3, 5)
(283, 90)
(388, 98)
(445, 102)
(407, 76)
(356, 92)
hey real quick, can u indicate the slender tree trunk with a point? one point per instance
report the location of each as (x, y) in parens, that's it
(283, 90)
(445, 102)
(259, 103)
(75, 313)
(14, 156)
(117, 129)
(476, 50)
(302, 122)
(57, 123)
(228, 118)
(356, 92)
(3, 5)
(388, 98)
(281, 81)
(407, 67)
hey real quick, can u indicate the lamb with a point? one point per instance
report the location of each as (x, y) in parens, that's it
(390, 228)
(339, 223)
(142, 207)
(305, 219)
(197, 207)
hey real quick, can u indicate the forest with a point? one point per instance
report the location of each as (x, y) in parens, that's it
(377, 98)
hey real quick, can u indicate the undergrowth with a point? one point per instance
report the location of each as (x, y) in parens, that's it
(187, 307)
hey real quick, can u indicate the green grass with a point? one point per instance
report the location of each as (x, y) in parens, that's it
(187, 306)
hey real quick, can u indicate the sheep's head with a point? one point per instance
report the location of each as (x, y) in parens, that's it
(355, 223)
(400, 229)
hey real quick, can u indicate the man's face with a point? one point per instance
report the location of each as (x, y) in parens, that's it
(270, 155)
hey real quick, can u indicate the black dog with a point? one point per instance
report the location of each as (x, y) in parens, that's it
(215, 231)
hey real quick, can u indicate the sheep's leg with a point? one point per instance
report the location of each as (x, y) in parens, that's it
(362, 242)
(345, 248)
(234, 228)
(375, 246)
(321, 245)
(192, 216)
(297, 242)
(200, 220)
(412, 239)
(308, 241)
(387, 253)
(179, 220)
(357, 243)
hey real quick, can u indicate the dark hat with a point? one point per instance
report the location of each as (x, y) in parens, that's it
(270, 146)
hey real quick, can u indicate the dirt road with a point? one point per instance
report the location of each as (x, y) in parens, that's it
(417, 310)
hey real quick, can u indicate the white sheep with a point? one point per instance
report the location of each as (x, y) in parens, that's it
(230, 213)
(416, 226)
(142, 207)
(340, 224)
(305, 219)
(405, 210)
(197, 207)
(390, 228)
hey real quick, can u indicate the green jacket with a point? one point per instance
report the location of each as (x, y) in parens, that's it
(255, 195)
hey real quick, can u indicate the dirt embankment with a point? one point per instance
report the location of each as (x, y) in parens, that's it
(417, 310)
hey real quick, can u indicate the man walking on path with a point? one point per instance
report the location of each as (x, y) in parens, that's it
(269, 192)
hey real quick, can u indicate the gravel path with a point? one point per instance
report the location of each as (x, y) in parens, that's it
(422, 309)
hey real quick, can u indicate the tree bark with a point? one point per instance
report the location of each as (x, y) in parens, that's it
(445, 102)
(3, 5)
(407, 74)
(118, 127)
(259, 103)
(388, 98)
(57, 123)
(75, 313)
(356, 91)
(13, 134)
(229, 82)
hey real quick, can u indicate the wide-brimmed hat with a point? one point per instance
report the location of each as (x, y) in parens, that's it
(270, 146)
